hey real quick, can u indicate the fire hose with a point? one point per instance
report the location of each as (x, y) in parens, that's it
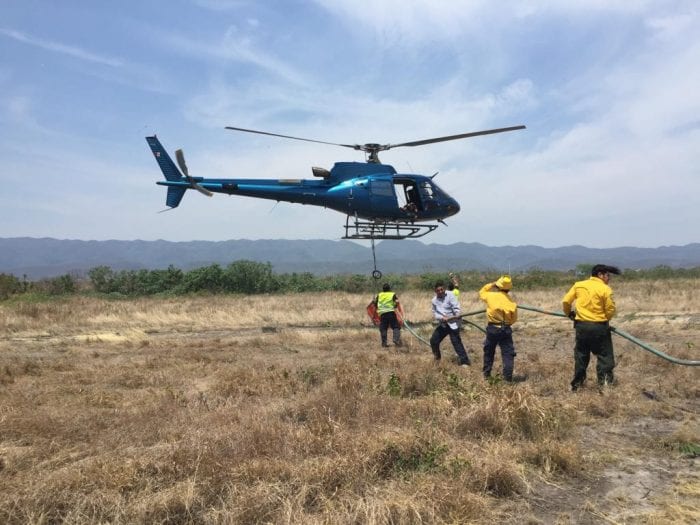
(616, 331)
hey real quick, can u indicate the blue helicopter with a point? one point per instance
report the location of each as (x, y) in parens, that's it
(378, 202)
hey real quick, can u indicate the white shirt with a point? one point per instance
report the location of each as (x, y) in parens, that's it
(448, 306)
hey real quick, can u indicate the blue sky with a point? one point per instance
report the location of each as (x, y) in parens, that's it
(609, 92)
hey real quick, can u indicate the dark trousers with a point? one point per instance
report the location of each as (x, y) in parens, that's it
(593, 338)
(499, 336)
(442, 331)
(385, 321)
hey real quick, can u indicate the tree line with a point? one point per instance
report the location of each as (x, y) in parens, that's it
(250, 277)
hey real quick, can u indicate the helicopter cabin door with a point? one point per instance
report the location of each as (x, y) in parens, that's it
(408, 195)
(382, 198)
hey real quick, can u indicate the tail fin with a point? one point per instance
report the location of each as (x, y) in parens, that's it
(175, 194)
(170, 171)
(167, 166)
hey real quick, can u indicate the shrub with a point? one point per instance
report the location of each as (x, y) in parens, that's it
(249, 277)
(9, 285)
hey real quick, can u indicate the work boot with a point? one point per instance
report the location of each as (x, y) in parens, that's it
(398, 343)
(384, 345)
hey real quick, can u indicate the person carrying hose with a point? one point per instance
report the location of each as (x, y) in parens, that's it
(502, 312)
(386, 303)
(446, 311)
(591, 306)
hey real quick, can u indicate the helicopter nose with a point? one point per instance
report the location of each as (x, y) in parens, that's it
(453, 207)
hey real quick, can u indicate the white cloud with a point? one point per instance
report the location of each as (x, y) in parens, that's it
(669, 26)
(412, 22)
(237, 46)
(57, 47)
(403, 21)
(222, 5)
(18, 107)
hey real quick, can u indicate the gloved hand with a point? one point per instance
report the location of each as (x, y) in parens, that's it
(572, 315)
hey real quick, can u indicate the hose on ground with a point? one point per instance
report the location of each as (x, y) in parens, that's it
(617, 331)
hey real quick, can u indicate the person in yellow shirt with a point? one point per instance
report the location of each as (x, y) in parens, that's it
(454, 285)
(590, 305)
(502, 312)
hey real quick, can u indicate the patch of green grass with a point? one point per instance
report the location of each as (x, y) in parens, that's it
(394, 385)
(690, 450)
(311, 376)
(495, 380)
(424, 456)
(457, 465)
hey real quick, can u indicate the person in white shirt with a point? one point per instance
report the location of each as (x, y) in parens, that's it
(446, 312)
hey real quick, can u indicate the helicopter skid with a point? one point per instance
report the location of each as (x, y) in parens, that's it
(385, 230)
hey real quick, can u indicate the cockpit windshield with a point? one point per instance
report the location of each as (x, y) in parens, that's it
(426, 189)
(430, 190)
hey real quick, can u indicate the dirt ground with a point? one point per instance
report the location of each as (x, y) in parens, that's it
(633, 471)
(639, 486)
(637, 480)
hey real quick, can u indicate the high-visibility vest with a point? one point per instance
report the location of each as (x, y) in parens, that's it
(385, 302)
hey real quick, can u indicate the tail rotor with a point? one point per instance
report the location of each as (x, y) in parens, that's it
(180, 157)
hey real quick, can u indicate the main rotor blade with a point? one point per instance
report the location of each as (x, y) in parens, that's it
(355, 146)
(455, 137)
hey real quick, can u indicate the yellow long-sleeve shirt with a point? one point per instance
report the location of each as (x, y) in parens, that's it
(500, 307)
(593, 300)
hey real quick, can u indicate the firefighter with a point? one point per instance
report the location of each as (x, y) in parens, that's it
(591, 306)
(502, 312)
(386, 303)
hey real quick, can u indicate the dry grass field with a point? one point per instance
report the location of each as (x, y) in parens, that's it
(284, 409)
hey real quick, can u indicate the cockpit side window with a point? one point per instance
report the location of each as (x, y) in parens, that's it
(382, 188)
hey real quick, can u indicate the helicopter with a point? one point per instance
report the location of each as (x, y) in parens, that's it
(378, 202)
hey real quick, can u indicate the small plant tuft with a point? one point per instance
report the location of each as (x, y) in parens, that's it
(394, 385)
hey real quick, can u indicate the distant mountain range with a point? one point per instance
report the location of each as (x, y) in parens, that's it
(39, 258)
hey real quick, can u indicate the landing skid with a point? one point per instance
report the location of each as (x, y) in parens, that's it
(357, 229)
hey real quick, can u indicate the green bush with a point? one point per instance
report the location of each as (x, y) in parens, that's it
(250, 277)
(205, 279)
(101, 278)
(9, 285)
(65, 284)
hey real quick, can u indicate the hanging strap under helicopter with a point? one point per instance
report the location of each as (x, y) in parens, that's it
(376, 273)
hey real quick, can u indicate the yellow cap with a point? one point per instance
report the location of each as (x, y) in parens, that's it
(504, 282)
